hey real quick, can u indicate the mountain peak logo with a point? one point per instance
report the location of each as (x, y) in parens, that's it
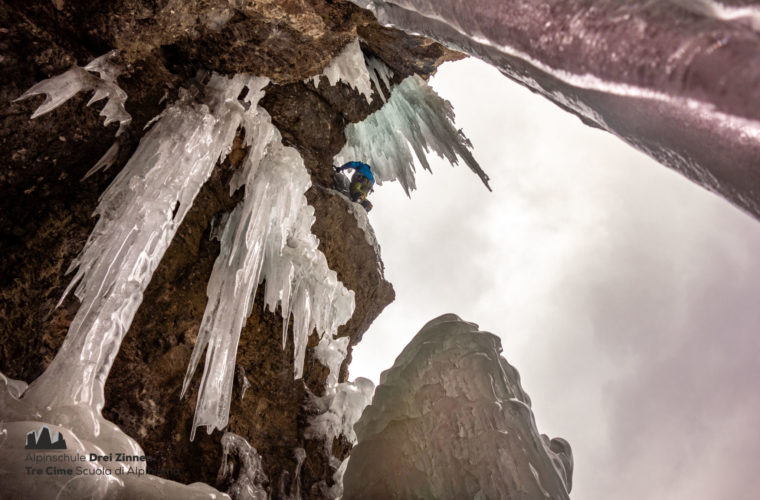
(41, 440)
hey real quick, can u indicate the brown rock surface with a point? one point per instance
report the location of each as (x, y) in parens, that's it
(45, 211)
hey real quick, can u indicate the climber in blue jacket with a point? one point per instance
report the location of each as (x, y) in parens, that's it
(361, 182)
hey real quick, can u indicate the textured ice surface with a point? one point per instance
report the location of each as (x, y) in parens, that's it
(250, 478)
(678, 79)
(63, 87)
(414, 120)
(349, 67)
(139, 214)
(85, 432)
(266, 237)
(450, 420)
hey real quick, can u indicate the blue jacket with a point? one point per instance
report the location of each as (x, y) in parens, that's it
(360, 167)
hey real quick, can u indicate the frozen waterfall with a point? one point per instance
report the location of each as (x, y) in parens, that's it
(678, 80)
(450, 420)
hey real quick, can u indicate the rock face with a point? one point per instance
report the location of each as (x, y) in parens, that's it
(450, 420)
(45, 210)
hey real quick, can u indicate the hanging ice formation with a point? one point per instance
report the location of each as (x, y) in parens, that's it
(266, 237)
(139, 214)
(349, 67)
(379, 71)
(450, 420)
(677, 79)
(414, 119)
(63, 87)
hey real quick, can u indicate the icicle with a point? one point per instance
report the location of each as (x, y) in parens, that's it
(415, 119)
(63, 87)
(378, 71)
(105, 161)
(139, 214)
(267, 237)
(349, 67)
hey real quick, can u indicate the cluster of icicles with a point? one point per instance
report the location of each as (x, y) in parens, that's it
(266, 238)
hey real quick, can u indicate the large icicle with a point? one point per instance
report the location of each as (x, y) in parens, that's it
(139, 214)
(267, 236)
(349, 66)
(416, 119)
(63, 87)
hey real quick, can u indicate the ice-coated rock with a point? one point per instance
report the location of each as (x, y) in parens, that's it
(677, 79)
(349, 67)
(343, 404)
(413, 120)
(450, 420)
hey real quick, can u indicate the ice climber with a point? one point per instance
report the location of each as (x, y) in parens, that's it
(361, 182)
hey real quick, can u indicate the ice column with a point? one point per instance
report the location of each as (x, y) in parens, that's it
(63, 87)
(414, 120)
(349, 67)
(139, 214)
(266, 237)
(450, 420)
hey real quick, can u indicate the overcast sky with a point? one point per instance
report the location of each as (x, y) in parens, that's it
(626, 296)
